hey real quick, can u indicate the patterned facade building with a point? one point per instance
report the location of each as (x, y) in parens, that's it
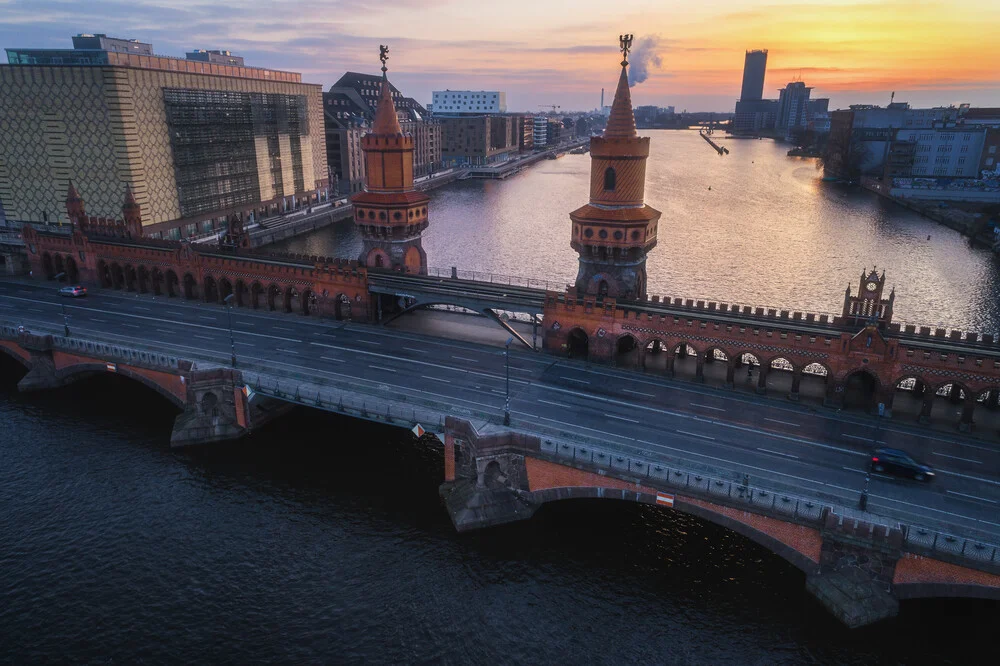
(195, 141)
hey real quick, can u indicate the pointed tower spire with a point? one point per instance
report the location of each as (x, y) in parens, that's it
(132, 214)
(74, 204)
(386, 121)
(621, 122)
(615, 231)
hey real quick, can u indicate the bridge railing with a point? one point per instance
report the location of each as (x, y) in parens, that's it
(548, 284)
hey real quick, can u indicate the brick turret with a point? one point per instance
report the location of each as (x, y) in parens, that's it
(390, 213)
(614, 232)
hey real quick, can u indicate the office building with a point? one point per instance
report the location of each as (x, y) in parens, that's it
(793, 102)
(540, 131)
(477, 140)
(754, 69)
(195, 141)
(951, 153)
(87, 50)
(455, 102)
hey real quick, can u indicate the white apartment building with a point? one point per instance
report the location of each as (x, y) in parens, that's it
(447, 102)
(540, 131)
(952, 152)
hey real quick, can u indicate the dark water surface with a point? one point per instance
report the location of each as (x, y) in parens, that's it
(769, 232)
(322, 540)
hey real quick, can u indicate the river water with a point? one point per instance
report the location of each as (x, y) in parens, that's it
(768, 232)
(322, 540)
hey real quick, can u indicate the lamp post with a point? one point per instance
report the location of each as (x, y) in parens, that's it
(59, 276)
(232, 344)
(863, 501)
(506, 361)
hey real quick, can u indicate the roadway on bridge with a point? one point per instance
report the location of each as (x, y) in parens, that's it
(722, 432)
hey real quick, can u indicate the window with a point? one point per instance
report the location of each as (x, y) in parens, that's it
(966, 136)
(965, 149)
(609, 179)
(961, 160)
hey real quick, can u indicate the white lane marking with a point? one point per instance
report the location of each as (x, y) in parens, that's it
(930, 508)
(463, 358)
(778, 453)
(647, 395)
(368, 342)
(131, 325)
(379, 367)
(208, 318)
(498, 392)
(550, 402)
(787, 423)
(945, 455)
(282, 328)
(436, 379)
(160, 330)
(335, 360)
(415, 351)
(286, 351)
(621, 418)
(99, 321)
(202, 337)
(175, 313)
(717, 409)
(578, 381)
(139, 307)
(25, 291)
(863, 439)
(246, 344)
(694, 434)
(966, 476)
(972, 497)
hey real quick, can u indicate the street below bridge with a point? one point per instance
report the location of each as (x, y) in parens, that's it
(813, 453)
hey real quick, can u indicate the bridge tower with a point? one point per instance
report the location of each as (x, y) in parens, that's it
(868, 307)
(131, 214)
(390, 213)
(616, 230)
(74, 205)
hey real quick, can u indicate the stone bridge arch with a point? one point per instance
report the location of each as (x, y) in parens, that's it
(83, 370)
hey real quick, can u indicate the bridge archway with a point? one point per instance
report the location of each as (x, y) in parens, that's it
(190, 287)
(117, 276)
(131, 279)
(655, 358)
(342, 307)
(307, 300)
(861, 390)
(782, 376)
(143, 280)
(628, 353)
(60, 267)
(225, 289)
(683, 360)
(273, 296)
(211, 290)
(104, 274)
(47, 266)
(80, 371)
(907, 398)
(256, 291)
(716, 367)
(291, 299)
(578, 344)
(72, 271)
(241, 293)
(173, 286)
(813, 384)
(750, 372)
(986, 410)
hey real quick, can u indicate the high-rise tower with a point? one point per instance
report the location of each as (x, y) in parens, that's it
(754, 68)
(615, 231)
(390, 213)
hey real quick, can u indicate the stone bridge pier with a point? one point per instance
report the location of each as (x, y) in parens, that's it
(855, 564)
(211, 401)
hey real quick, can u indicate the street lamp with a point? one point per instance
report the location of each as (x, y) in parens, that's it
(59, 276)
(232, 344)
(506, 361)
(863, 501)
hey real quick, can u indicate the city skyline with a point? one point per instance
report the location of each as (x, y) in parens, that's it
(556, 53)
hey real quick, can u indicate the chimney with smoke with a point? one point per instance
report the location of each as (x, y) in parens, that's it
(644, 56)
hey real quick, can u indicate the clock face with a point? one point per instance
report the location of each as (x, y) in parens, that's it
(871, 286)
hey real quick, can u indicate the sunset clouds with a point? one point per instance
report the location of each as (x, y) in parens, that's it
(563, 52)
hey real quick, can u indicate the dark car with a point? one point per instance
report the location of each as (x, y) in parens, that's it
(75, 291)
(899, 463)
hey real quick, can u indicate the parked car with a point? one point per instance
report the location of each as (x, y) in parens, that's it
(74, 291)
(900, 463)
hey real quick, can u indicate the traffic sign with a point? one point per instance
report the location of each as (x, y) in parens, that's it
(664, 499)
(418, 430)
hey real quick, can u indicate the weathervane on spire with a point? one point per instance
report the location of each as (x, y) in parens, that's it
(625, 44)
(383, 55)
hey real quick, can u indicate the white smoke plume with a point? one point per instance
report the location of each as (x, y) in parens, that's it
(644, 56)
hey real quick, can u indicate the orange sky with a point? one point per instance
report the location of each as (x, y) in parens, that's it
(563, 51)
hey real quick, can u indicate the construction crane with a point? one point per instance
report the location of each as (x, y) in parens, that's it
(550, 106)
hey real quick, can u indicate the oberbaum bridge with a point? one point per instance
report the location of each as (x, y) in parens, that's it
(621, 350)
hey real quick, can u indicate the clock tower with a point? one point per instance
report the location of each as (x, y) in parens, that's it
(614, 232)
(868, 306)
